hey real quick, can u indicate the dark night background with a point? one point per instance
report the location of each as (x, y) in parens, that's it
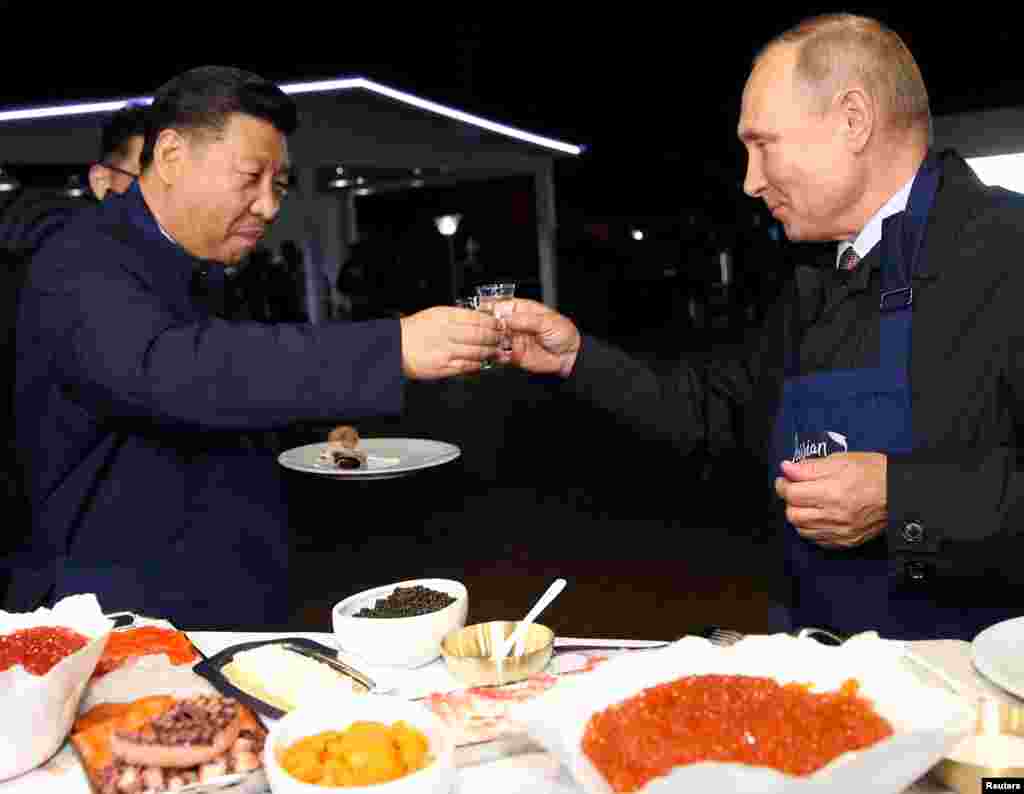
(655, 100)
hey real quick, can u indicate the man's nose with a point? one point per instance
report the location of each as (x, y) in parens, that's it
(753, 182)
(268, 203)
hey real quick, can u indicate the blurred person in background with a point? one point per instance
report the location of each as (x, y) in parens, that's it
(120, 148)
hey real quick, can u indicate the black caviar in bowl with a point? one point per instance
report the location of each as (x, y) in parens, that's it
(407, 602)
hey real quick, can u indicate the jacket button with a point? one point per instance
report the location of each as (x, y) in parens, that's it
(913, 532)
(916, 571)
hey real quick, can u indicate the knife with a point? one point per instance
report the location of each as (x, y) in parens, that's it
(578, 648)
(334, 664)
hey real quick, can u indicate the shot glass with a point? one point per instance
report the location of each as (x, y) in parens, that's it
(488, 296)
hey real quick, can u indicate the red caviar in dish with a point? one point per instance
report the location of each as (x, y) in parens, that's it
(39, 648)
(728, 718)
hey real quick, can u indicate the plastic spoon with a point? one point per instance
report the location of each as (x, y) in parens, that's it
(518, 637)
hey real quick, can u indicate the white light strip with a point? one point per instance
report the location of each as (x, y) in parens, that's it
(319, 86)
(433, 107)
(56, 111)
(322, 86)
(1006, 170)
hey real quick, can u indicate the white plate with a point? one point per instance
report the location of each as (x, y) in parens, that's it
(388, 457)
(998, 653)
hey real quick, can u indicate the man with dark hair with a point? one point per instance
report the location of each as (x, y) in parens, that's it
(120, 147)
(34, 217)
(132, 397)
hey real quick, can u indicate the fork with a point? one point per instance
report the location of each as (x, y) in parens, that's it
(727, 637)
(723, 637)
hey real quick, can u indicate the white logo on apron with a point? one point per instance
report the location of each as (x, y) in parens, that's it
(818, 447)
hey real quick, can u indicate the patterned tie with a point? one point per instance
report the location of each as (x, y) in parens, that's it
(848, 259)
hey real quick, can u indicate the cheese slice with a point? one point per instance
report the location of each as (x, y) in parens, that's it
(285, 679)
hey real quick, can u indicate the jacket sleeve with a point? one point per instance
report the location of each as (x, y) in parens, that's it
(956, 508)
(956, 504)
(955, 517)
(716, 405)
(123, 353)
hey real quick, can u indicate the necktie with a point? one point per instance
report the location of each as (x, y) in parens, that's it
(848, 259)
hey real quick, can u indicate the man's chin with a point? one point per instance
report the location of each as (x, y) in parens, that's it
(235, 255)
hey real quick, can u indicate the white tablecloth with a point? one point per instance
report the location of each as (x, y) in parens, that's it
(518, 765)
(505, 766)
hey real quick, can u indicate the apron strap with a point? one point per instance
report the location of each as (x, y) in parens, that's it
(903, 239)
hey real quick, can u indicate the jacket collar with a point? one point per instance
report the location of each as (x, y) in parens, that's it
(169, 268)
(962, 195)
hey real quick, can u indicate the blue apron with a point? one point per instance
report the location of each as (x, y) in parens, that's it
(869, 410)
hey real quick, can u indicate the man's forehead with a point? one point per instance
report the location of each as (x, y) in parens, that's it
(253, 138)
(769, 86)
(773, 71)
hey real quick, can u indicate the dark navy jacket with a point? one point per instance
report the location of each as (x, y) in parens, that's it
(132, 403)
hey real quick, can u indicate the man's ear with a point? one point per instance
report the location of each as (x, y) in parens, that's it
(169, 154)
(858, 117)
(99, 180)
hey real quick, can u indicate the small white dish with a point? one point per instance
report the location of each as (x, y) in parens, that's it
(399, 642)
(438, 777)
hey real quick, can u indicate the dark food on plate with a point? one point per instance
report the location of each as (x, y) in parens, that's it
(161, 743)
(39, 648)
(728, 718)
(343, 448)
(128, 644)
(407, 602)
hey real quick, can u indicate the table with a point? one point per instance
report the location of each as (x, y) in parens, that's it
(508, 765)
(518, 764)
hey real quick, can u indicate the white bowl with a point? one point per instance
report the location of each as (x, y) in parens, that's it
(336, 714)
(399, 642)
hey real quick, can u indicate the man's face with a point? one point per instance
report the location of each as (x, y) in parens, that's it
(120, 181)
(118, 172)
(798, 161)
(229, 188)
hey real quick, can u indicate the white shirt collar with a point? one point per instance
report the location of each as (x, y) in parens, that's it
(165, 233)
(228, 270)
(871, 234)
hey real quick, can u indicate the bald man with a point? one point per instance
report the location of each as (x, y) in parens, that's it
(882, 393)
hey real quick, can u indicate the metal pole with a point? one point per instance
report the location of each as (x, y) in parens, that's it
(547, 222)
(451, 263)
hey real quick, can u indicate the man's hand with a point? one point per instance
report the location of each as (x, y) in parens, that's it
(543, 340)
(445, 341)
(839, 501)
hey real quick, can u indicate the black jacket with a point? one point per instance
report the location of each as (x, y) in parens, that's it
(967, 379)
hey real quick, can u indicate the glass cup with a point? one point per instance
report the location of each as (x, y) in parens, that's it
(470, 302)
(488, 296)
